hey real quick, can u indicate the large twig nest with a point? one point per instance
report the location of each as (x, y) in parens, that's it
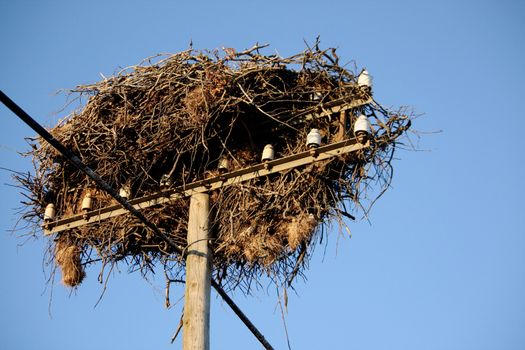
(176, 118)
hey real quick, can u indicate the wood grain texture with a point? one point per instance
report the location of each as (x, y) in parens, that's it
(196, 334)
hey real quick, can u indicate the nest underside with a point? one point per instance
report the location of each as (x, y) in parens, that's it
(175, 119)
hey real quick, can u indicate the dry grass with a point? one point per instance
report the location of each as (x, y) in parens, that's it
(67, 257)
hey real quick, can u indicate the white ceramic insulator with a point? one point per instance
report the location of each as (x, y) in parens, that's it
(362, 124)
(313, 139)
(87, 202)
(317, 96)
(49, 214)
(125, 192)
(165, 180)
(224, 164)
(268, 153)
(364, 79)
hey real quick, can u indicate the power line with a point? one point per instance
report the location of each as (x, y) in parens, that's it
(241, 315)
(33, 124)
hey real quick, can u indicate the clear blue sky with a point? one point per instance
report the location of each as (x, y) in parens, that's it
(442, 266)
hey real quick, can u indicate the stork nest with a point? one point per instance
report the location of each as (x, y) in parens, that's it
(176, 116)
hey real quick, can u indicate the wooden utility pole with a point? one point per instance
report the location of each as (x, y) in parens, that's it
(196, 331)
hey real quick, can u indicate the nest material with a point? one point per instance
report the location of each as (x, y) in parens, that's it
(67, 257)
(177, 117)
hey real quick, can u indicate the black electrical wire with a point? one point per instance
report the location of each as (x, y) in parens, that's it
(241, 315)
(33, 124)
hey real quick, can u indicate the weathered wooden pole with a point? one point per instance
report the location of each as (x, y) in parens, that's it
(196, 331)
